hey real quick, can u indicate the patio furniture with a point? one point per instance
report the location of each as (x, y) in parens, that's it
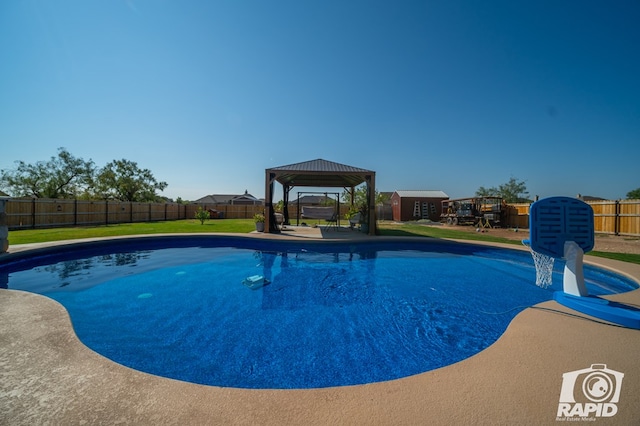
(354, 220)
(329, 214)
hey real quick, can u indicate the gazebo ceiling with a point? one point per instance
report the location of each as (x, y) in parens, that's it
(320, 173)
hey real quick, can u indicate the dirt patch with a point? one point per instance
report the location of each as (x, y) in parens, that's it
(604, 242)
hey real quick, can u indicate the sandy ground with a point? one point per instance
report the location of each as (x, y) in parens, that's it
(604, 242)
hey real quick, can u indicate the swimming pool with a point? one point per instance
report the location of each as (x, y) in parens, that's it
(333, 314)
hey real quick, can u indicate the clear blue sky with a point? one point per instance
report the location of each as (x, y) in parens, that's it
(447, 95)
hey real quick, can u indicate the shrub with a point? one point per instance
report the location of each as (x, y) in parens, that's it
(202, 215)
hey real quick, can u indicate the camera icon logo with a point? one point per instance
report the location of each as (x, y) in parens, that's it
(592, 391)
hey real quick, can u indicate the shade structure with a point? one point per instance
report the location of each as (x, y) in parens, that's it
(317, 173)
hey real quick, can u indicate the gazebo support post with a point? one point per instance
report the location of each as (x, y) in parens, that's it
(285, 198)
(371, 203)
(270, 225)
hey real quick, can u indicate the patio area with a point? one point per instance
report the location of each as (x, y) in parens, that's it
(47, 376)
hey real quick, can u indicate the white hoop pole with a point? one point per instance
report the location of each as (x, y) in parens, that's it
(573, 279)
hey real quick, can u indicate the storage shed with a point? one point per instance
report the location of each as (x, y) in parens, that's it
(416, 205)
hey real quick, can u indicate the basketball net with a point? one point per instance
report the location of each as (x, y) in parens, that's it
(544, 267)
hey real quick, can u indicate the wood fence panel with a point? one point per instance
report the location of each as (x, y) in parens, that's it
(517, 216)
(52, 213)
(19, 213)
(173, 211)
(139, 212)
(604, 216)
(229, 211)
(156, 211)
(90, 213)
(629, 214)
(112, 212)
(126, 212)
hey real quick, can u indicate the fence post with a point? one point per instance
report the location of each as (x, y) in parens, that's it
(33, 213)
(616, 219)
(4, 228)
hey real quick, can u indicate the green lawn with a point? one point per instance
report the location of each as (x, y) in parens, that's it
(188, 226)
(414, 230)
(243, 226)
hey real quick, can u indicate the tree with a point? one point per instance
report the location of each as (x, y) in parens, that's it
(124, 180)
(511, 192)
(487, 192)
(360, 201)
(359, 196)
(633, 195)
(64, 176)
(202, 215)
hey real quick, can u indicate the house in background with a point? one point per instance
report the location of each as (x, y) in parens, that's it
(232, 199)
(314, 200)
(416, 205)
(587, 198)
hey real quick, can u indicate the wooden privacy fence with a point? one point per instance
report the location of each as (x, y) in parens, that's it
(51, 213)
(618, 217)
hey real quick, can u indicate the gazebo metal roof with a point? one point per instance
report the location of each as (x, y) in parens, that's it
(320, 173)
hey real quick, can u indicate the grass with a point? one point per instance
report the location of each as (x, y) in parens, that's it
(188, 226)
(243, 226)
(412, 230)
(624, 257)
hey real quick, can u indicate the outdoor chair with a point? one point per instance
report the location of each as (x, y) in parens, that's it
(354, 220)
(279, 220)
(332, 222)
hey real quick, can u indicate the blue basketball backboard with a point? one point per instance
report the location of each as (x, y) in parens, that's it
(555, 220)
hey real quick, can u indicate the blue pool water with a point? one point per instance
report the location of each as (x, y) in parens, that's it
(333, 314)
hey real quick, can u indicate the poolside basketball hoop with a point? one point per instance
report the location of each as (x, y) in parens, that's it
(562, 228)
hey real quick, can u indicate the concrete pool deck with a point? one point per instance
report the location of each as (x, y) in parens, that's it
(47, 376)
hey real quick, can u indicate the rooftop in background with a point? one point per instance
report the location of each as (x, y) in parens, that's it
(589, 198)
(245, 198)
(313, 199)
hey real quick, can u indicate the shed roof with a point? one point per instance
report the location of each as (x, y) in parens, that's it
(421, 194)
(320, 173)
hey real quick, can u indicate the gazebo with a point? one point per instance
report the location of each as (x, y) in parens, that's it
(317, 173)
